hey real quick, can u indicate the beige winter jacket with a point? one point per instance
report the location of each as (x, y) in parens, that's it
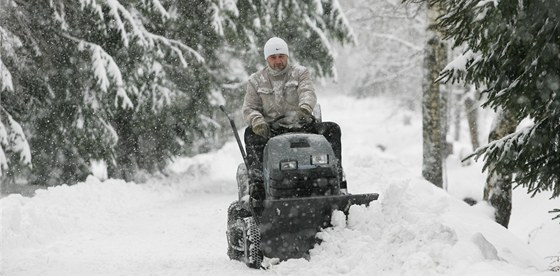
(269, 95)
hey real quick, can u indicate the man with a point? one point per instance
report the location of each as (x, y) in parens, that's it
(280, 98)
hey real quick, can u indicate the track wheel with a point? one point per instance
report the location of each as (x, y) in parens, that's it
(235, 231)
(252, 240)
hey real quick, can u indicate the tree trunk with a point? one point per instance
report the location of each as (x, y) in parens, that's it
(471, 109)
(457, 107)
(124, 166)
(435, 57)
(498, 186)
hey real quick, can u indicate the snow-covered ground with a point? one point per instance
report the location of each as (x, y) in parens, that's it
(176, 225)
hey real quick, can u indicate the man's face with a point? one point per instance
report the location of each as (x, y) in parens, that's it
(277, 62)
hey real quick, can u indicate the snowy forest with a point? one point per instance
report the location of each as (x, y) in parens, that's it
(134, 87)
(134, 84)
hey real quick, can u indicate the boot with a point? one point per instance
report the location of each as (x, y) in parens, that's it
(256, 184)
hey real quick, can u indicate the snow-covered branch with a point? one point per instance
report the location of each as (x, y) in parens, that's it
(507, 145)
(12, 140)
(399, 40)
(105, 69)
(5, 78)
(8, 42)
(341, 22)
(92, 4)
(219, 14)
(114, 8)
(313, 25)
(128, 23)
(457, 68)
(150, 39)
(177, 47)
(159, 7)
(390, 76)
(217, 20)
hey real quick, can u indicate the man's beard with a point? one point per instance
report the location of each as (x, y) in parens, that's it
(278, 66)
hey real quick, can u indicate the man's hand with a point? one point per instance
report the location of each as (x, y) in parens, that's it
(304, 117)
(262, 129)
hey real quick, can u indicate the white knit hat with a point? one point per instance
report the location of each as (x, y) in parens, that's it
(275, 46)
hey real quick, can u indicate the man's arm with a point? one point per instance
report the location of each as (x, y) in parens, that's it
(306, 91)
(252, 106)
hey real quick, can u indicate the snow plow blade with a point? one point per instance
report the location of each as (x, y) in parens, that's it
(288, 226)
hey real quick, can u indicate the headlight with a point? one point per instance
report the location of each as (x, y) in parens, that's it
(288, 165)
(321, 159)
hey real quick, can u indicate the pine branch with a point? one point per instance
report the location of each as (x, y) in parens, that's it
(177, 47)
(555, 211)
(105, 68)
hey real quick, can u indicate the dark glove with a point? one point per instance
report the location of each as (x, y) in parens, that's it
(304, 117)
(262, 129)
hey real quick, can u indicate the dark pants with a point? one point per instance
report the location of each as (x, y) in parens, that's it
(255, 144)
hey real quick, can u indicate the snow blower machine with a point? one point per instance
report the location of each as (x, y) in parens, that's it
(303, 185)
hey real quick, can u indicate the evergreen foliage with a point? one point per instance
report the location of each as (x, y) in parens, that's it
(513, 51)
(135, 83)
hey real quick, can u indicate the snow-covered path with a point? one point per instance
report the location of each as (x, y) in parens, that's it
(170, 238)
(175, 225)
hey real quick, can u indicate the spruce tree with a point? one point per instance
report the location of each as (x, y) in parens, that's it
(136, 83)
(512, 50)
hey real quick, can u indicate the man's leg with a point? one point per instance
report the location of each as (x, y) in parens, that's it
(254, 145)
